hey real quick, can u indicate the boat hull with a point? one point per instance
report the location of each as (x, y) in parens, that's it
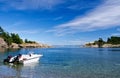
(31, 61)
(30, 58)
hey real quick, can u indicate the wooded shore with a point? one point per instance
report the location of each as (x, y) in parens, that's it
(112, 42)
(103, 46)
(4, 45)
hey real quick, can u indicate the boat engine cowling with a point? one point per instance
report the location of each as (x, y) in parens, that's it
(7, 59)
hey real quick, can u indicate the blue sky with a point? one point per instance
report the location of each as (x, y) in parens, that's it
(61, 22)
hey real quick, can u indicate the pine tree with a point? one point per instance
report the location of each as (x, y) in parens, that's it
(16, 38)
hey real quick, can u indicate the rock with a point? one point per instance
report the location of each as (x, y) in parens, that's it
(107, 45)
(91, 46)
(104, 46)
(14, 45)
(33, 45)
(111, 46)
(3, 44)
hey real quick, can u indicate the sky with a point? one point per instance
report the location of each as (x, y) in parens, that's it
(61, 22)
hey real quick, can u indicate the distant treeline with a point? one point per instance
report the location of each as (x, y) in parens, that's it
(28, 41)
(12, 37)
(114, 40)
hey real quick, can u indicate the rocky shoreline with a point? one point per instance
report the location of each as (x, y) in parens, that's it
(33, 45)
(103, 46)
(3, 45)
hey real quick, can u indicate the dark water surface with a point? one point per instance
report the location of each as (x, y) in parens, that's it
(65, 63)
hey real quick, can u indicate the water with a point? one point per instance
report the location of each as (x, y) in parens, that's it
(65, 63)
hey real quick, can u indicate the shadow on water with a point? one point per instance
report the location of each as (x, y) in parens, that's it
(114, 49)
(109, 49)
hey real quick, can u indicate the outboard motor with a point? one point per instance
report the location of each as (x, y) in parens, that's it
(16, 59)
(7, 59)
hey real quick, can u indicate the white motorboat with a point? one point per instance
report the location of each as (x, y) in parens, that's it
(23, 59)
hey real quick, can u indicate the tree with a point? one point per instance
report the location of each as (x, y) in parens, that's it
(6, 36)
(113, 40)
(12, 38)
(99, 42)
(108, 40)
(26, 41)
(8, 39)
(16, 38)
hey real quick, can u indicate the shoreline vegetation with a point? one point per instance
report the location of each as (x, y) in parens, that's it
(13, 41)
(112, 42)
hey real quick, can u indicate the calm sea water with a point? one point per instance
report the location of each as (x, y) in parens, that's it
(65, 63)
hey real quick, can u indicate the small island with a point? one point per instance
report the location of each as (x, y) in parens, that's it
(112, 42)
(12, 40)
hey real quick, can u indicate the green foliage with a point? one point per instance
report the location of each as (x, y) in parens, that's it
(10, 38)
(28, 41)
(99, 42)
(7, 37)
(16, 38)
(113, 40)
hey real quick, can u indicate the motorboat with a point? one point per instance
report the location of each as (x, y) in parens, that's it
(23, 58)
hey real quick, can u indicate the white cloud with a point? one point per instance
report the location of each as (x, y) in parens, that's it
(104, 16)
(82, 4)
(30, 4)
